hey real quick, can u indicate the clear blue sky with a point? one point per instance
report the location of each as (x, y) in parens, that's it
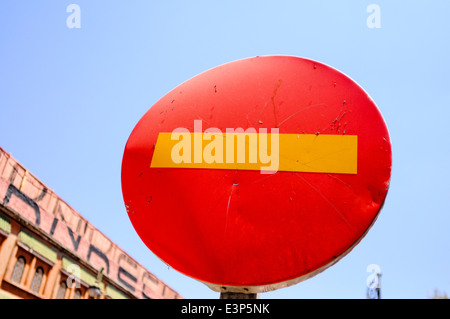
(69, 98)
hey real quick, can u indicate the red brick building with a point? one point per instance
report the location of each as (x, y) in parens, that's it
(48, 250)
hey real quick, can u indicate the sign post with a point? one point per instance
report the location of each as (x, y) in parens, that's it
(257, 174)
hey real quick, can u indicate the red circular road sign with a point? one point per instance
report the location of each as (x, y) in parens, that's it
(257, 174)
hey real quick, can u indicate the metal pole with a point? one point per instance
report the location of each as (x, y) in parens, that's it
(379, 286)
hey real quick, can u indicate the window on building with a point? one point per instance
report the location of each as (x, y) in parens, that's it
(61, 294)
(37, 280)
(77, 294)
(18, 269)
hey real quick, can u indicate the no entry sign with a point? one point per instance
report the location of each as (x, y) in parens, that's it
(257, 174)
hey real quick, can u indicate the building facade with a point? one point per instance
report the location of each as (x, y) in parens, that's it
(49, 251)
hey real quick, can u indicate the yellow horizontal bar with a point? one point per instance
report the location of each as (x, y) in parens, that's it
(257, 151)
